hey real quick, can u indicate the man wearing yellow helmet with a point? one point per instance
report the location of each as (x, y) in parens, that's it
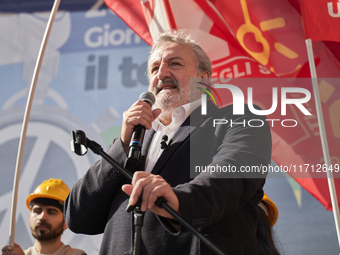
(47, 222)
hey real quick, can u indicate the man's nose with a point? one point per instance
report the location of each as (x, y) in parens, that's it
(163, 71)
(42, 216)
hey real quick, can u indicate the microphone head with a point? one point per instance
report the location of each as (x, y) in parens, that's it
(147, 97)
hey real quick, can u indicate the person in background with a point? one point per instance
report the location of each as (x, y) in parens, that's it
(269, 214)
(47, 222)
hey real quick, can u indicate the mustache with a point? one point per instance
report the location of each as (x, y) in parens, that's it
(43, 224)
(166, 81)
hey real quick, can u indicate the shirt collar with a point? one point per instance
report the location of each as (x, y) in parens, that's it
(180, 113)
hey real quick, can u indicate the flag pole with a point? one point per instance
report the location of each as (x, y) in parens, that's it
(323, 137)
(26, 119)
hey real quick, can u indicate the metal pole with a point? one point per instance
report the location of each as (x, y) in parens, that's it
(323, 137)
(26, 119)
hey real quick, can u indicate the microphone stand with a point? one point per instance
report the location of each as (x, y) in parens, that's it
(138, 214)
(79, 146)
(138, 217)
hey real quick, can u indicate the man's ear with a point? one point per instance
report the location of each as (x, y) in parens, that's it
(205, 74)
(65, 226)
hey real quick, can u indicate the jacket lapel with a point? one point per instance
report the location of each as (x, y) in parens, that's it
(180, 136)
(189, 126)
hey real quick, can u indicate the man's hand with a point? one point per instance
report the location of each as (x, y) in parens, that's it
(140, 113)
(153, 187)
(10, 250)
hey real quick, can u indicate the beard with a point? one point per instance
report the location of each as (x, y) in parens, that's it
(45, 235)
(170, 99)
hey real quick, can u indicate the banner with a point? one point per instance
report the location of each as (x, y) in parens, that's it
(321, 19)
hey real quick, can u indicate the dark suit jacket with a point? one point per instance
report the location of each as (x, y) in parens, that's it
(223, 206)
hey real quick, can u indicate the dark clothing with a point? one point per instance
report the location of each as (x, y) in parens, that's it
(223, 209)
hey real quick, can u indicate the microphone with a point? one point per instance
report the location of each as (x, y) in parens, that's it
(163, 142)
(138, 133)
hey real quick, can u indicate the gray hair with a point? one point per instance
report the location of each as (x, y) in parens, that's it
(181, 38)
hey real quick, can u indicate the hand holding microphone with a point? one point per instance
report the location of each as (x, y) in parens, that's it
(135, 120)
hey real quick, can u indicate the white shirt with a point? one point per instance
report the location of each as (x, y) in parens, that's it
(179, 115)
(62, 250)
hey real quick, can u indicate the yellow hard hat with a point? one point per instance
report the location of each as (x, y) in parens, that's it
(53, 189)
(273, 211)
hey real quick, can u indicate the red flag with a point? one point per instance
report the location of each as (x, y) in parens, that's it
(256, 39)
(321, 19)
(131, 13)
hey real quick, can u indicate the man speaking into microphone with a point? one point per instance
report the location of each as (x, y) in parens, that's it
(223, 209)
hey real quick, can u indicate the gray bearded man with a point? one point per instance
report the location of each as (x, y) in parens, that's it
(222, 207)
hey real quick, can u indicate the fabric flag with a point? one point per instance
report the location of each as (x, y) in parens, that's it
(262, 40)
(321, 19)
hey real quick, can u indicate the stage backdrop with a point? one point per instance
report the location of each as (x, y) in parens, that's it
(94, 69)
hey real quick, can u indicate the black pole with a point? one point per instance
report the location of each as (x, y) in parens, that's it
(138, 217)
